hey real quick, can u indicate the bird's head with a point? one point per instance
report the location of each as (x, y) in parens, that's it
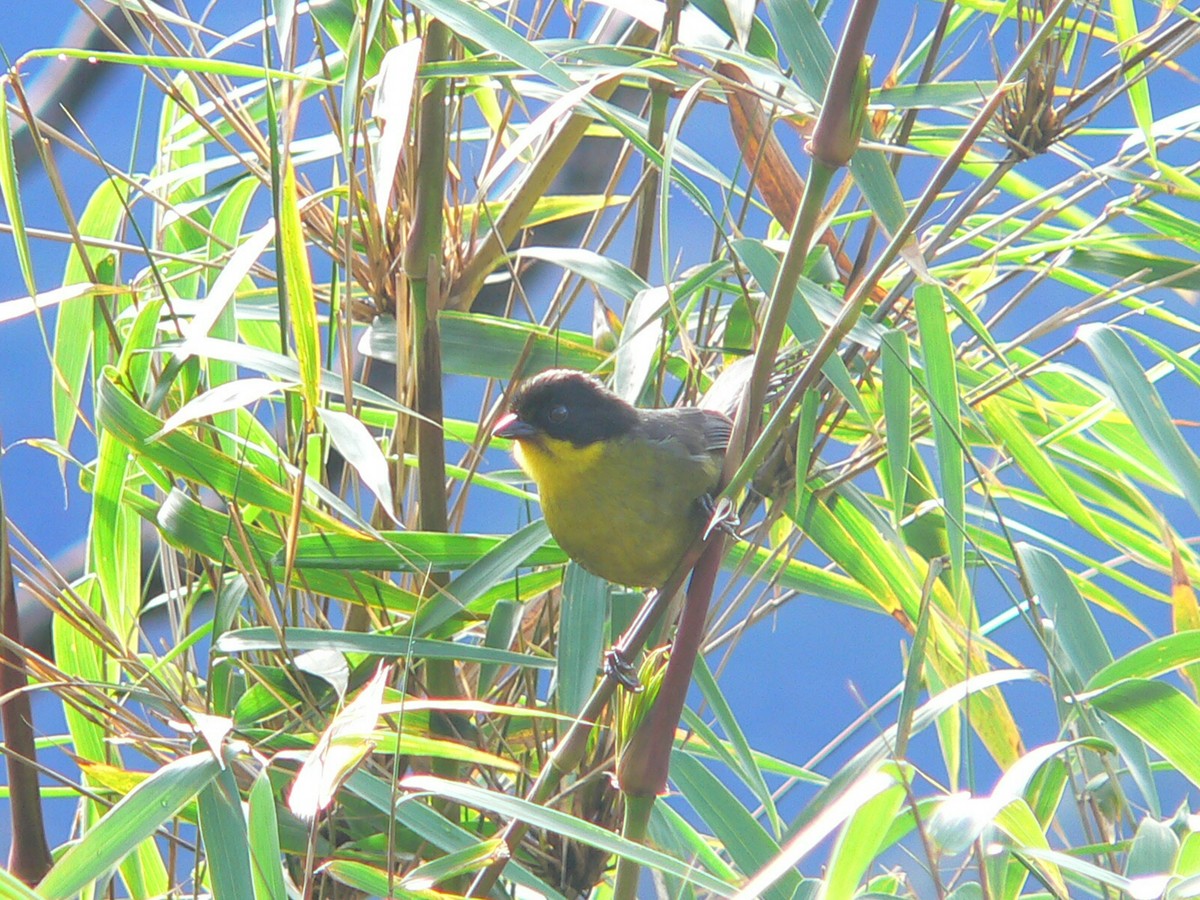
(566, 405)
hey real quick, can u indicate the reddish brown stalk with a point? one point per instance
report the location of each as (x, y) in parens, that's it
(29, 854)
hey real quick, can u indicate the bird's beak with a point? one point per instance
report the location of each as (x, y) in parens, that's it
(510, 426)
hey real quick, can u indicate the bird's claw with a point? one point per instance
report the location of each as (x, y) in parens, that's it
(721, 516)
(621, 670)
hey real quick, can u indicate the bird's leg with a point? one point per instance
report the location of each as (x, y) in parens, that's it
(720, 516)
(616, 664)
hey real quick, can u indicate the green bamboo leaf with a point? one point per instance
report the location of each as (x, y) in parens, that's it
(741, 16)
(270, 363)
(674, 834)
(566, 825)
(248, 639)
(285, 14)
(804, 840)
(1085, 873)
(226, 840)
(1165, 654)
(300, 298)
(1022, 827)
(883, 746)
(387, 740)
(134, 818)
(461, 862)
(490, 347)
(392, 106)
(370, 881)
(975, 325)
(1153, 852)
(748, 844)
(812, 307)
(758, 41)
(1159, 714)
(134, 360)
(580, 637)
(180, 221)
(418, 551)
(806, 433)
(479, 576)
(1102, 599)
(897, 414)
(1036, 463)
(804, 44)
(704, 743)
(1076, 629)
(809, 310)
(190, 458)
(79, 656)
(11, 888)
(859, 842)
(1140, 546)
(746, 765)
(433, 827)
(180, 63)
(801, 576)
(933, 95)
(382, 883)
(115, 539)
(524, 586)
(1085, 650)
(942, 391)
(231, 395)
(101, 219)
(361, 450)
(189, 525)
(245, 478)
(551, 208)
(1181, 361)
(233, 275)
(961, 820)
(227, 227)
(914, 667)
(230, 219)
(10, 190)
(637, 348)
(1126, 260)
(1139, 400)
(263, 832)
(337, 20)
(1162, 219)
(502, 625)
(865, 552)
(487, 30)
(1137, 88)
(603, 271)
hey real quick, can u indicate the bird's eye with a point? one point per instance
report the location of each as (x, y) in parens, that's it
(557, 414)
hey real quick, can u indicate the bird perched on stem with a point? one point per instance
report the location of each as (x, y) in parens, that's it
(625, 491)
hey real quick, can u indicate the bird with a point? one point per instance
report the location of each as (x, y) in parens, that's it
(625, 491)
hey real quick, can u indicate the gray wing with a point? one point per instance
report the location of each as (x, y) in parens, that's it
(718, 428)
(699, 430)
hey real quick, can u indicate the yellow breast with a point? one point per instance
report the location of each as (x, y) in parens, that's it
(557, 466)
(625, 510)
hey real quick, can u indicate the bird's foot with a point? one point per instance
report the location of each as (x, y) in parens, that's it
(621, 670)
(721, 517)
